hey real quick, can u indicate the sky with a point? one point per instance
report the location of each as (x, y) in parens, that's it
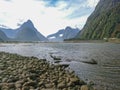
(48, 16)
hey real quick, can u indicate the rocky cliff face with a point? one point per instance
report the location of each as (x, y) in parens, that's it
(104, 22)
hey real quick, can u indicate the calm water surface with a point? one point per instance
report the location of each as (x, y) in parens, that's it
(106, 74)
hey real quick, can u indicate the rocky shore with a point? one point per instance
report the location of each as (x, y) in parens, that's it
(30, 73)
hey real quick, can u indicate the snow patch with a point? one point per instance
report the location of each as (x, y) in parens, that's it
(52, 37)
(60, 35)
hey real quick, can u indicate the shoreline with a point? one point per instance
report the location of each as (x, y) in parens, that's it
(110, 40)
(30, 73)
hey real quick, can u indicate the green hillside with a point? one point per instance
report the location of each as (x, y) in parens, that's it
(104, 22)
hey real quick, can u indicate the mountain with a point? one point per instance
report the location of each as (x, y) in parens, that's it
(70, 32)
(1, 40)
(27, 32)
(58, 36)
(63, 34)
(3, 37)
(9, 32)
(104, 22)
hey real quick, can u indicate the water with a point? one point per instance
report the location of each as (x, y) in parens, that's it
(105, 75)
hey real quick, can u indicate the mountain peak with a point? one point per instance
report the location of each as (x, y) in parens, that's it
(68, 27)
(27, 32)
(28, 23)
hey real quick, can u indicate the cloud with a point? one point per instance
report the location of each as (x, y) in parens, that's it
(92, 3)
(51, 3)
(75, 9)
(48, 16)
(8, 0)
(80, 12)
(81, 7)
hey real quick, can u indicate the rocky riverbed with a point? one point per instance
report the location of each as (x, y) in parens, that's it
(30, 73)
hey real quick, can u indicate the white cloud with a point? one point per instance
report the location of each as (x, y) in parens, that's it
(92, 3)
(46, 19)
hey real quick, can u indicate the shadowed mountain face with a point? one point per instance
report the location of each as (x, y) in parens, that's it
(70, 32)
(104, 22)
(9, 32)
(3, 37)
(63, 34)
(58, 36)
(1, 40)
(26, 33)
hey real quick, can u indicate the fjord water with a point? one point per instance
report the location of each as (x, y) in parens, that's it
(105, 74)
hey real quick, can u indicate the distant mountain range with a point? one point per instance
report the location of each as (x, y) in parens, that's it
(26, 33)
(63, 34)
(104, 22)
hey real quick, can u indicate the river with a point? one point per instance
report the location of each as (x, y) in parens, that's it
(105, 74)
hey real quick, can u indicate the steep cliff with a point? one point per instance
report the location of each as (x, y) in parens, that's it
(104, 22)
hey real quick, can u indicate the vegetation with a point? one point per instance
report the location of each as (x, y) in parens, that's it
(104, 22)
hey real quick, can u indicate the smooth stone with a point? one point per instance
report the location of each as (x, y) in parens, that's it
(48, 85)
(21, 82)
(18, 85)
(5, 86)
(40, 83)
(25, 88)
(61, 85)
(70, 84)
(84, 87)
(4, 79)
(74, 80)
(11, 85)
(30, 83)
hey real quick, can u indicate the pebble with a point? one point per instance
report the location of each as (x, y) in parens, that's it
(29, 73)
(84, 87)
(61, 85)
